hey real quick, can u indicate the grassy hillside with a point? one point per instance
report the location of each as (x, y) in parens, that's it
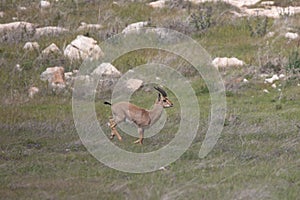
(257, 156)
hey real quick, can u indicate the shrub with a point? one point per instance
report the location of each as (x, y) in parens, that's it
(202, 20)
(258, 26)
(294, 61)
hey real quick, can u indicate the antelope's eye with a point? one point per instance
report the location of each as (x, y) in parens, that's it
(164, 100)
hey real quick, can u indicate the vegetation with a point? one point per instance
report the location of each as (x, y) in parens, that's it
(257, 156)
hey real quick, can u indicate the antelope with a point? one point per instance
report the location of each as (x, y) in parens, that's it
(141, 117)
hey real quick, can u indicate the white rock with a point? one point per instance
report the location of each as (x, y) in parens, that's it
(51, 49)
(18, 67)
(272, 11)
(163, 169)
(32, 91)
(50, 31)
(274, 85)
(106, 70)
(135, 27)
(237, 3)
(23, 8)
(1, 14)
(158, 4)
(68, 75)
(267, 3)
(55, 77)
(134, 84)
(291, 36)
(271, 80)
(82, 48)
(266, 91)
(45, 4)
(85, 78)
(84, 26)
(298, 84)
(281, 76)
(16, 31)
(227, 62)
(31, 46)
(270, 34)
(245, 80)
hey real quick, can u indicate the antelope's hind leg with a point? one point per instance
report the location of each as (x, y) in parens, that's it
(112, 125)
(140, 140)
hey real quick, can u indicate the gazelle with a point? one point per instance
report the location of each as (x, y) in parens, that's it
(142, 118)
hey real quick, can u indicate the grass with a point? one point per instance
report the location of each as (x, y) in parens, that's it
(42, 157)
(257, 156)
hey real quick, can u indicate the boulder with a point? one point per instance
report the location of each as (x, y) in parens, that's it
(55, 77)
(227, 62)
(87, 27)
(16, 31)
(267, 3)
(31, 46)
(49, 31)
(32, 91)
(135, 27)
(134, 84)
(107, 76)
(158, 4)
(106, 70)
(272, 79)
(82, 48)
(51, 49)
(237, 3)
(45, 4)
(291, 36)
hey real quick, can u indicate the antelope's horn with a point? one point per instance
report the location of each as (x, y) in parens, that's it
(161, 91)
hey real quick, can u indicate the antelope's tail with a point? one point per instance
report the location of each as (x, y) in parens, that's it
(107, 103)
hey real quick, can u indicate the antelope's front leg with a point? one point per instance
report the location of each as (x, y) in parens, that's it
(140, 140)
(112, 125)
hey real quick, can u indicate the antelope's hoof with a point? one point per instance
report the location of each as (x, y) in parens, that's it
(112, 137)
(138, 142)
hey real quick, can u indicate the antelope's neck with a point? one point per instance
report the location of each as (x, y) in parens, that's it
(155, 113)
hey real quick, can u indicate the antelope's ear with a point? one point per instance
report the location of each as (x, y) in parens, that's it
(159, 97)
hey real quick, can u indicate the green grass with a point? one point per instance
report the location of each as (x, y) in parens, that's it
(42, 157)
(257, 155)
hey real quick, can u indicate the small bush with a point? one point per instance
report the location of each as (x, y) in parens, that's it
(294, 62)
(258, 26)
(202, 20)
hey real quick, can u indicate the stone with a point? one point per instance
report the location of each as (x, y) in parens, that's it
(136, 27)
(32, 91)
(55, 77)
(134, 84)
(227, 62)
(107, 76)
(51, 49)
(16, 31)
(158, 4)
(82, 48)
(45, 4)
(31, 46)
(291, 36)
(106, 70)
(272, 79)
(87, 27)
(49, 31)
